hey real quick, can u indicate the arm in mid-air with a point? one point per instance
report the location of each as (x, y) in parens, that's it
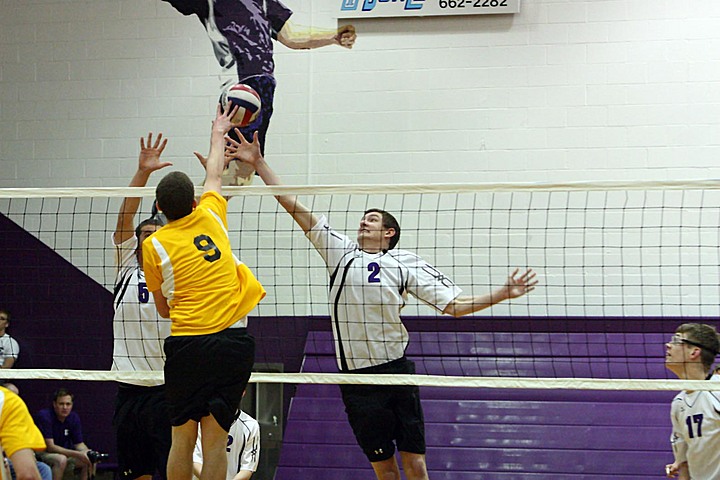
(215, 161)
(514, 287)
(299, 37)
(250, 152)
(148, 162)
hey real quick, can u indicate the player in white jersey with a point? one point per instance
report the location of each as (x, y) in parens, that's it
(243, 449)
(695, 415)
(141, 423)
(369, 285)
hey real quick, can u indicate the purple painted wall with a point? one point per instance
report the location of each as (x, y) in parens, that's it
(62, 319)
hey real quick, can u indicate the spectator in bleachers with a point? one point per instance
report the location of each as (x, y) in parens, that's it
(9, 348)
(695, 415)
(62, 430)
(19, 437)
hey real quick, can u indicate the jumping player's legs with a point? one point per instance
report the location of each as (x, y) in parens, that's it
(183, 443)
(414, 465)
(386, 469)
(240, 173)
(204, 375)
(214, 442)
(264, 85)
(143, 432)
(207, 374)
(383, 417)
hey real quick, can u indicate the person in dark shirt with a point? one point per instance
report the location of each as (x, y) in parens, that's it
(62, 430)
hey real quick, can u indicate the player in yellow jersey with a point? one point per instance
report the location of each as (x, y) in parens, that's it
(19, 437)
(207, 293)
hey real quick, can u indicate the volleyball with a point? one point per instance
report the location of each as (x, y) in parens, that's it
(246, 98)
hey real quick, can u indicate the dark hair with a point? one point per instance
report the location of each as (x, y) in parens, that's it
(175, 195)
(388, 222)
(148, 221)
(703, 336)
(7, 314)
(62, 392)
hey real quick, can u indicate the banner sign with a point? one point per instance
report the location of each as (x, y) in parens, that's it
(411, 8)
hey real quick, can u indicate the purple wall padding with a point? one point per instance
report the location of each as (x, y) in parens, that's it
(62, 319)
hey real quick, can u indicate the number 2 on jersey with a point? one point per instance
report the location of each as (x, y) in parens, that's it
(205, 244)
(690, 419)
(374, 269)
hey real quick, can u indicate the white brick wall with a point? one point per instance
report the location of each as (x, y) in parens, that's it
(564, 90)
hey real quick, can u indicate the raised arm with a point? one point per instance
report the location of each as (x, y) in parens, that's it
(148, 162)
(514, 287)
(298, 37)
(215, 161)
(249, 152)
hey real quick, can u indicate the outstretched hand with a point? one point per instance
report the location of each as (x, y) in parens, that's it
(519, 286)
(244, 151)
(346, 36)
(149, 159)
(224, 118)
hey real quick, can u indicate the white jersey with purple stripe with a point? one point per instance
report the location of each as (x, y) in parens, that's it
(696, 432)
(138, 330)
(367, 292)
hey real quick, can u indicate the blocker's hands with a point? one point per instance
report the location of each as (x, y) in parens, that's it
(149, 159)
(244, 151)
(518, 286)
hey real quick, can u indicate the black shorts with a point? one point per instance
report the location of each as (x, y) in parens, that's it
(382, 416)
(207, 374)
(143, 432)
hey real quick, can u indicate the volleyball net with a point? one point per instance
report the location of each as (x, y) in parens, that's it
(620, 265)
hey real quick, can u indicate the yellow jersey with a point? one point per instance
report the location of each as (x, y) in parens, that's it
(17, 429)
(191, 261)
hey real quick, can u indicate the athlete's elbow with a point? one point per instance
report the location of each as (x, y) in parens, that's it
(452, 310)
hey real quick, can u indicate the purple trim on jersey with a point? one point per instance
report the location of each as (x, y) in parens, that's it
(65, 434)
(248, 26)
(249, 30)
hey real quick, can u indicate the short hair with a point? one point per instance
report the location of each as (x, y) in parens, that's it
(148, 221)
(175, 195)
(62, 392)
(388, 222)
(705, 337)
(6, 312)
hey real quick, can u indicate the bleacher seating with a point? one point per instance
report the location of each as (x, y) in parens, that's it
(534, 434)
